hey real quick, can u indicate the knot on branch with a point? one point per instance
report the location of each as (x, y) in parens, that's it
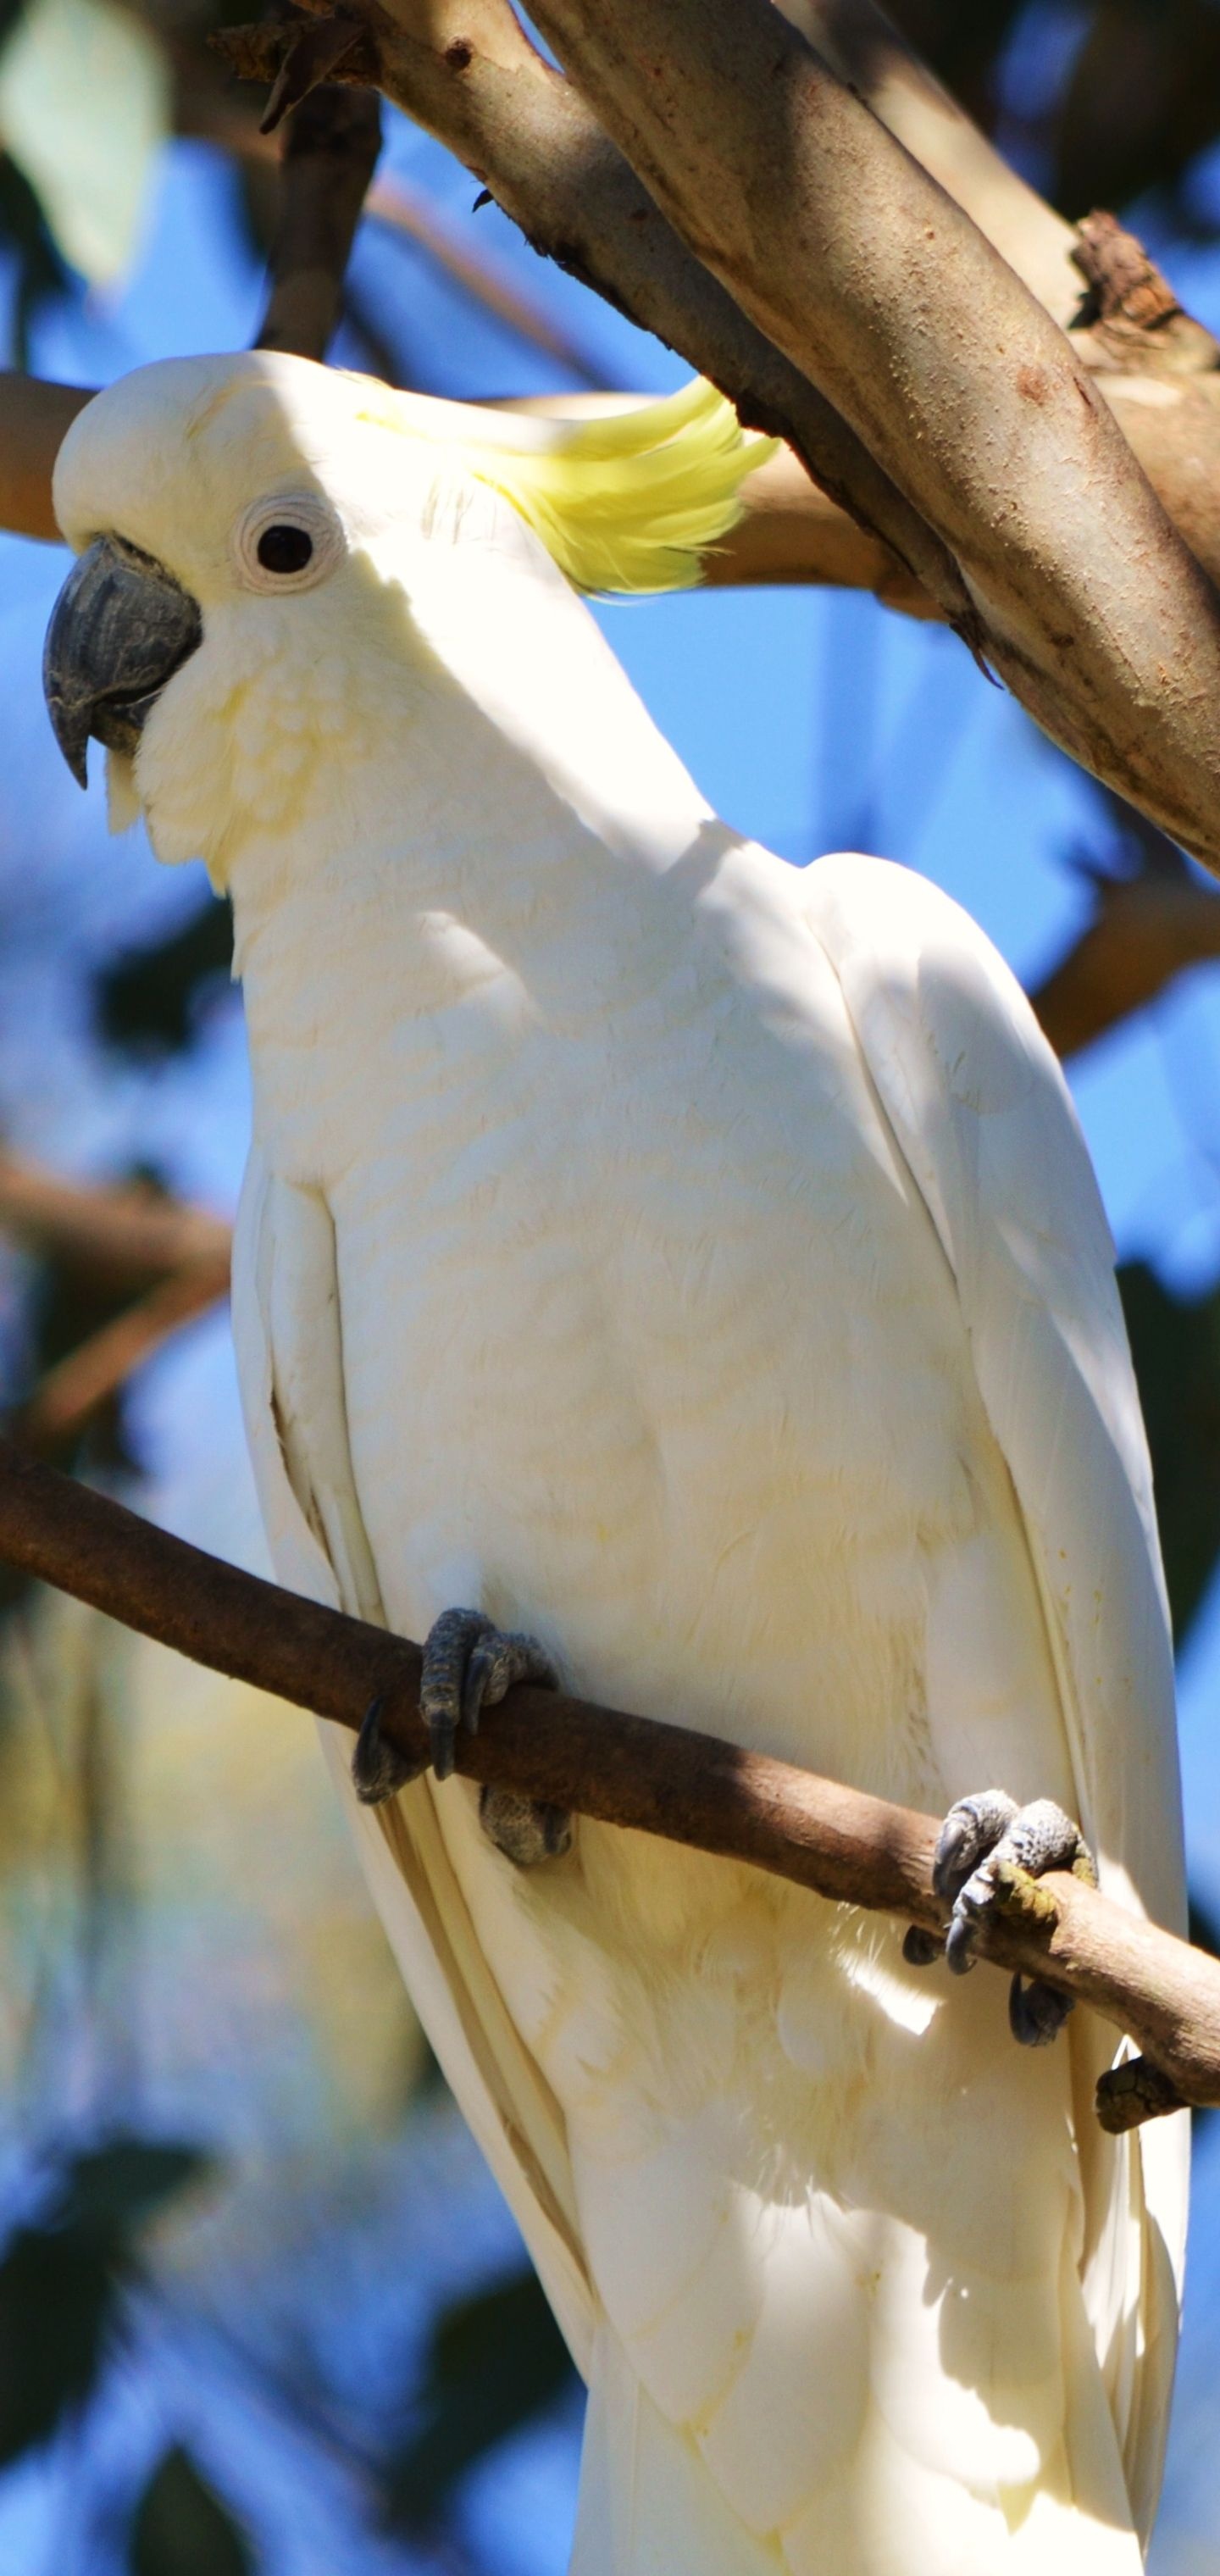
(1134, 2092)
(295, 58)
(1130, 305)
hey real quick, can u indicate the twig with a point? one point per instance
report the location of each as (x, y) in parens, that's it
(331, 142)
(628, 1771)
(69, 1395)
(1147, 929)
(125, 1238)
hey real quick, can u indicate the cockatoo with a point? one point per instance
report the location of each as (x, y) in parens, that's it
(675, 1271)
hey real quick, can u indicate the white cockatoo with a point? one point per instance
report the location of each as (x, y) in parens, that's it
(678, 1271)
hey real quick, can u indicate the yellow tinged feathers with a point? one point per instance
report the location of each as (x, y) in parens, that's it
(628, 501)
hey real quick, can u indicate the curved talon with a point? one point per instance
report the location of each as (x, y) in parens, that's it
(469, 1665)
(921, 1949)
(448, 1652)
(500, 1658)
(379, 1770)
(960, 1940)
(968, 1833)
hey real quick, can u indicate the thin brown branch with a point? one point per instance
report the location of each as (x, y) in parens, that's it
(1147, 929)
(126, 1239)
(628, 1771)
(35, 417)
(330, 145)
(70, 1394)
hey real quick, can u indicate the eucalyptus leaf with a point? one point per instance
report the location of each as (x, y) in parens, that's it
(182, 2528)
(84, 110)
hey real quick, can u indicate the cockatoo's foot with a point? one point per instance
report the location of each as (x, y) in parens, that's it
(469, 1664)
(986, 1843)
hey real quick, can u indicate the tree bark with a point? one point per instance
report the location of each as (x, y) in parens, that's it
(628, 1771)
(328, 153)
(849, 258)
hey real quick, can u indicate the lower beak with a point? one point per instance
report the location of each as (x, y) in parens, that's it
(119, 630)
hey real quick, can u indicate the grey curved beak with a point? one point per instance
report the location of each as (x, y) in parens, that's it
(119, 630)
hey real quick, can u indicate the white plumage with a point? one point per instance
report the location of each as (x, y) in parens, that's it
(696, 1263)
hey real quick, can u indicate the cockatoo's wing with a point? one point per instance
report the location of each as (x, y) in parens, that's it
(286, 1331)
(983, 1118)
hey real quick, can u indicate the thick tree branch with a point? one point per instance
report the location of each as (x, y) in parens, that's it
(35, 418)
(628, 1771)
(474, 80)
(848, 257)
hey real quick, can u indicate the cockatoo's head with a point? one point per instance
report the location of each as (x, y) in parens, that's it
(257, 539)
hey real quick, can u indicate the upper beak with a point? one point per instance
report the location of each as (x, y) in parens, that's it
(119, 629)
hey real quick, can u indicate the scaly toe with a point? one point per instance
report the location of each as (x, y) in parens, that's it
(522, 1828)
(500, 1658)
(379, 1770)
(451, 1644)
(1036, 2012)
(982, 1837)
(969, 1832)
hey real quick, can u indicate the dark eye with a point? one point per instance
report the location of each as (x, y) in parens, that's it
(284, 549)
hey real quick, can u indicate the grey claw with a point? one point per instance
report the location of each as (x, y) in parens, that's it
(959, 1941)
(966, 1836)
(449, 1648)
(921, 1949)
(981, 1837)
(379, 1770)
(500, 1658)
(1036, 2012)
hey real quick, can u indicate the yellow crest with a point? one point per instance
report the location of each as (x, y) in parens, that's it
(623, 501)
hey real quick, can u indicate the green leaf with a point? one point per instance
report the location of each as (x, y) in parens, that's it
(41, 274)
(114, 2189)
(84, 110)
(1175, 1344)
(148, 999)
(60, 2281)
(495, 2361)
(181, 2528)
(56, 2309)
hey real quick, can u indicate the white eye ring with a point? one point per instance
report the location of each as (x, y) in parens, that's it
(268, 528)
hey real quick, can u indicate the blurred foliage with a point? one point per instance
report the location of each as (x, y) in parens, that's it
(149, 999)
(1175, 1343)
(181, 2528)
(61, 2278)
(493, 2362)
(40, 272)
(1102, 102)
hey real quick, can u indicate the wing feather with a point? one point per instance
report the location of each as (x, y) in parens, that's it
(289, 1354)
(982, 1116)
